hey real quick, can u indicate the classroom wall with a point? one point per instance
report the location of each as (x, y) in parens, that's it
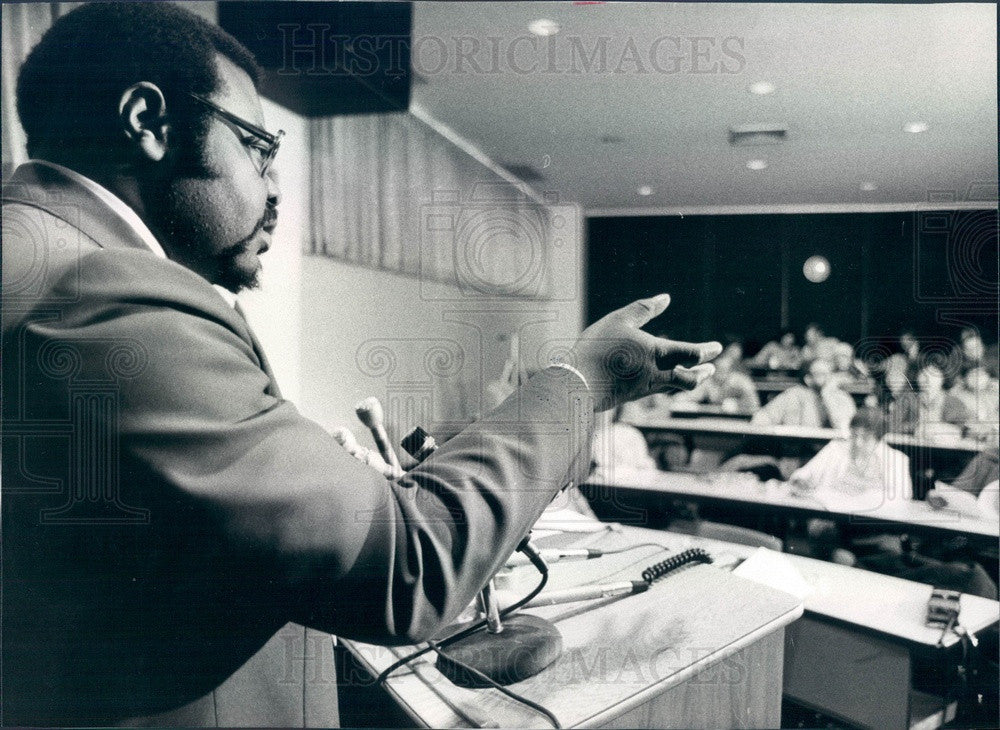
(367, 332)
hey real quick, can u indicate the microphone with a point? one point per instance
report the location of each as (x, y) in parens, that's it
(370, 413)
(555, 556)
(345, 438)
(589, 593)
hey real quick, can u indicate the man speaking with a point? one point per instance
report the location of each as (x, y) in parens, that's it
(173, 530)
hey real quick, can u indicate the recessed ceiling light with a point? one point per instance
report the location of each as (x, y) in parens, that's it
(544, 27)
(644, 190)
(916, 127)
(756, 164)
(762, 88)
(868, 186)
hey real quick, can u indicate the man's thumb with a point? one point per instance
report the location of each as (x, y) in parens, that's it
(642, 310)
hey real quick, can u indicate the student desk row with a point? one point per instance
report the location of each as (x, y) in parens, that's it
(703, 648)
(929, 459)
(745, 490)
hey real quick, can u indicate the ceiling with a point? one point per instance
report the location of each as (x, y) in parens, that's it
(676, 76)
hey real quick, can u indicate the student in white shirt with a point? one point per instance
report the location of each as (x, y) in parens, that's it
(862, 467)
(860, 473)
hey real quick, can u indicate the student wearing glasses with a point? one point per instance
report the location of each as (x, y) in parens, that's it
(179, 543)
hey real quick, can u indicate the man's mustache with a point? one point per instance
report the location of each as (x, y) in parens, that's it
(267, 221)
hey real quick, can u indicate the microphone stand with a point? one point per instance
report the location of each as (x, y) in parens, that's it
(512, 648)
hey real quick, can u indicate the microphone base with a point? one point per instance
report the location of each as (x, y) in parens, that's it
(526, 646)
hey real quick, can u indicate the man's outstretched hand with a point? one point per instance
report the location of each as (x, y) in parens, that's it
(621, 362)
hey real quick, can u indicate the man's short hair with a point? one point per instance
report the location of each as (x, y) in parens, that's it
(871, 420)
(70, 85)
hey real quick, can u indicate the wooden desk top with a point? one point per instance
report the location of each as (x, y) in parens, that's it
(871, 601)
(617, 653)
(746, 488)
(736, 427)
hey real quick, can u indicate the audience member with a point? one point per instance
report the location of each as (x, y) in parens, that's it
(780, 354)
(818, 402)
(971, 350)
(862, 472)
(909, 347)
(847, 367)
(982, 470)
(617, 444)
(817, 344)
(981, 396)
(728, 387)
(939, 413)
(895, 393)
(861, 465)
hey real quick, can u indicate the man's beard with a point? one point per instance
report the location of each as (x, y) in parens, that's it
(230, 273)
(236, 267)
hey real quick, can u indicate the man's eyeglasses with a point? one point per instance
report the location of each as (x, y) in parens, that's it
(262, 144)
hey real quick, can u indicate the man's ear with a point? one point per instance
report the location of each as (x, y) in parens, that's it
(142, 112)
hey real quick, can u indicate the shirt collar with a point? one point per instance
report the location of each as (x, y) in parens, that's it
(127, 214)
(116, 204)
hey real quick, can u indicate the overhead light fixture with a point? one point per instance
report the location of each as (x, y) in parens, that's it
(868, 186)
(544, 27)
(762, 88)
(816, 269)
(916, 127)
(645, 190)
(756, 164)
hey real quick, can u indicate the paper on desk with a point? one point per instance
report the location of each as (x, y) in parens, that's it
(774, 570)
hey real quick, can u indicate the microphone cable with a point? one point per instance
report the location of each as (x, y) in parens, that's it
(541, 709)
(536, 560)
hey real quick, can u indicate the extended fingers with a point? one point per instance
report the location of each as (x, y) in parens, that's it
(671, 354)
(682, 378)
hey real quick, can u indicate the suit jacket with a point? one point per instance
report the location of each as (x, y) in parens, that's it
(179, 542)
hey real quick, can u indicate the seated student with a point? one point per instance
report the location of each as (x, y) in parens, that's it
(981, 396)
(859, 473)
(780, 354)
(971, 349)
(617, 444)
(939, 413)
(817, 344)
(728, 387)
(846, 365)
(974, 491)
(818, 402)
(909, 347)
(862, 468)
(895, 393)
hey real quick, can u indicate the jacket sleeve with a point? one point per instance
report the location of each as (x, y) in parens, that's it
(240, 484)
